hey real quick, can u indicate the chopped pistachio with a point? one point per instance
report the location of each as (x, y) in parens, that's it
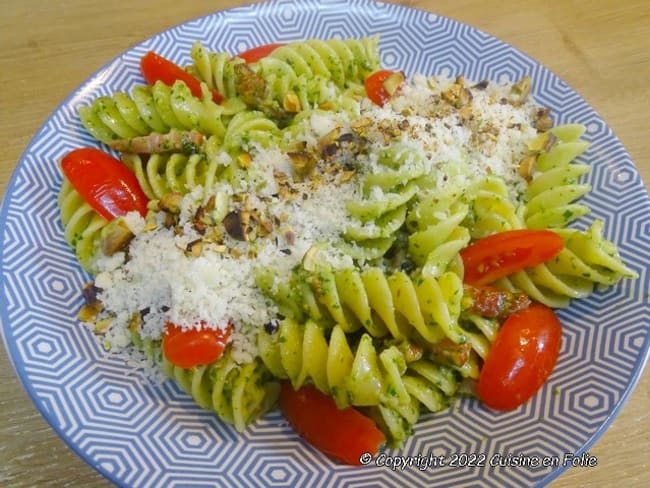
(171, 202)
(527, 166)
(303, 163)
(115, 237)
(519, 91)
(195, 248)
(543, 120)
(291, 102)
(392, 83)
(235, 223)
(244, 160)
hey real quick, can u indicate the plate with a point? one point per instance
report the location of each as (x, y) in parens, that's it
(137, 434)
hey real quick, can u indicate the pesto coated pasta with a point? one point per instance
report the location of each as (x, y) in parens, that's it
(239, 395)
(82, 225)
(318, 238)
(158, 108)
(352, 374)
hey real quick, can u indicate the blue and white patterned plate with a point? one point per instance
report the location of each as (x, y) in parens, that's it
(140, 435)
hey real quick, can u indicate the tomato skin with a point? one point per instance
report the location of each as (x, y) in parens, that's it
(256, 53)
(501, 254)
(374, 86)
(521, 358)
(109, 187)
(193, 347)
(344, 434)
(157, 68)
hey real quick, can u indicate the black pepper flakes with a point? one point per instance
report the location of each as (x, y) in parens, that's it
(272, 326)
(407, 266)
(144, 312)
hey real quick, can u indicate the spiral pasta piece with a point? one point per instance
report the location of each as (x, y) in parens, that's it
(397, 422)
(492, 208)
(394, 305)
(396, 166)
(216, 69)
(353, 374)
(481, 333)
(300, 93)
(430, 388)
(437, 232)
(343, 61)
(157, 108)
(82, 225)
(294, 77)
(238, 394)
(388, 189)
(587, 260)
(594, 257)
(249, 128)
(431, 384)
(555, 186)
(160, 174)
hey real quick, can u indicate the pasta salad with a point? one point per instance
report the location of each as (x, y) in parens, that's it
(296, 226)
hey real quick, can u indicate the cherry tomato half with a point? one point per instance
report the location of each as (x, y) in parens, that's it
(504, 253)
(156, 68)
(255, 54)
(193, 347)
(344, 434)
(108, 186)
(375, 86)
(521, 358)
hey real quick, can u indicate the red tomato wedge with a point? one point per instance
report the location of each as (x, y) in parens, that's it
(156, 68)
(108, 186)
(342, 434)
(193, 347)
(504, 253)
(521, 358)
(255, 54)
(375, 86)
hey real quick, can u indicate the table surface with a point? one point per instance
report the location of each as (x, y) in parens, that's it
(47, 48)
